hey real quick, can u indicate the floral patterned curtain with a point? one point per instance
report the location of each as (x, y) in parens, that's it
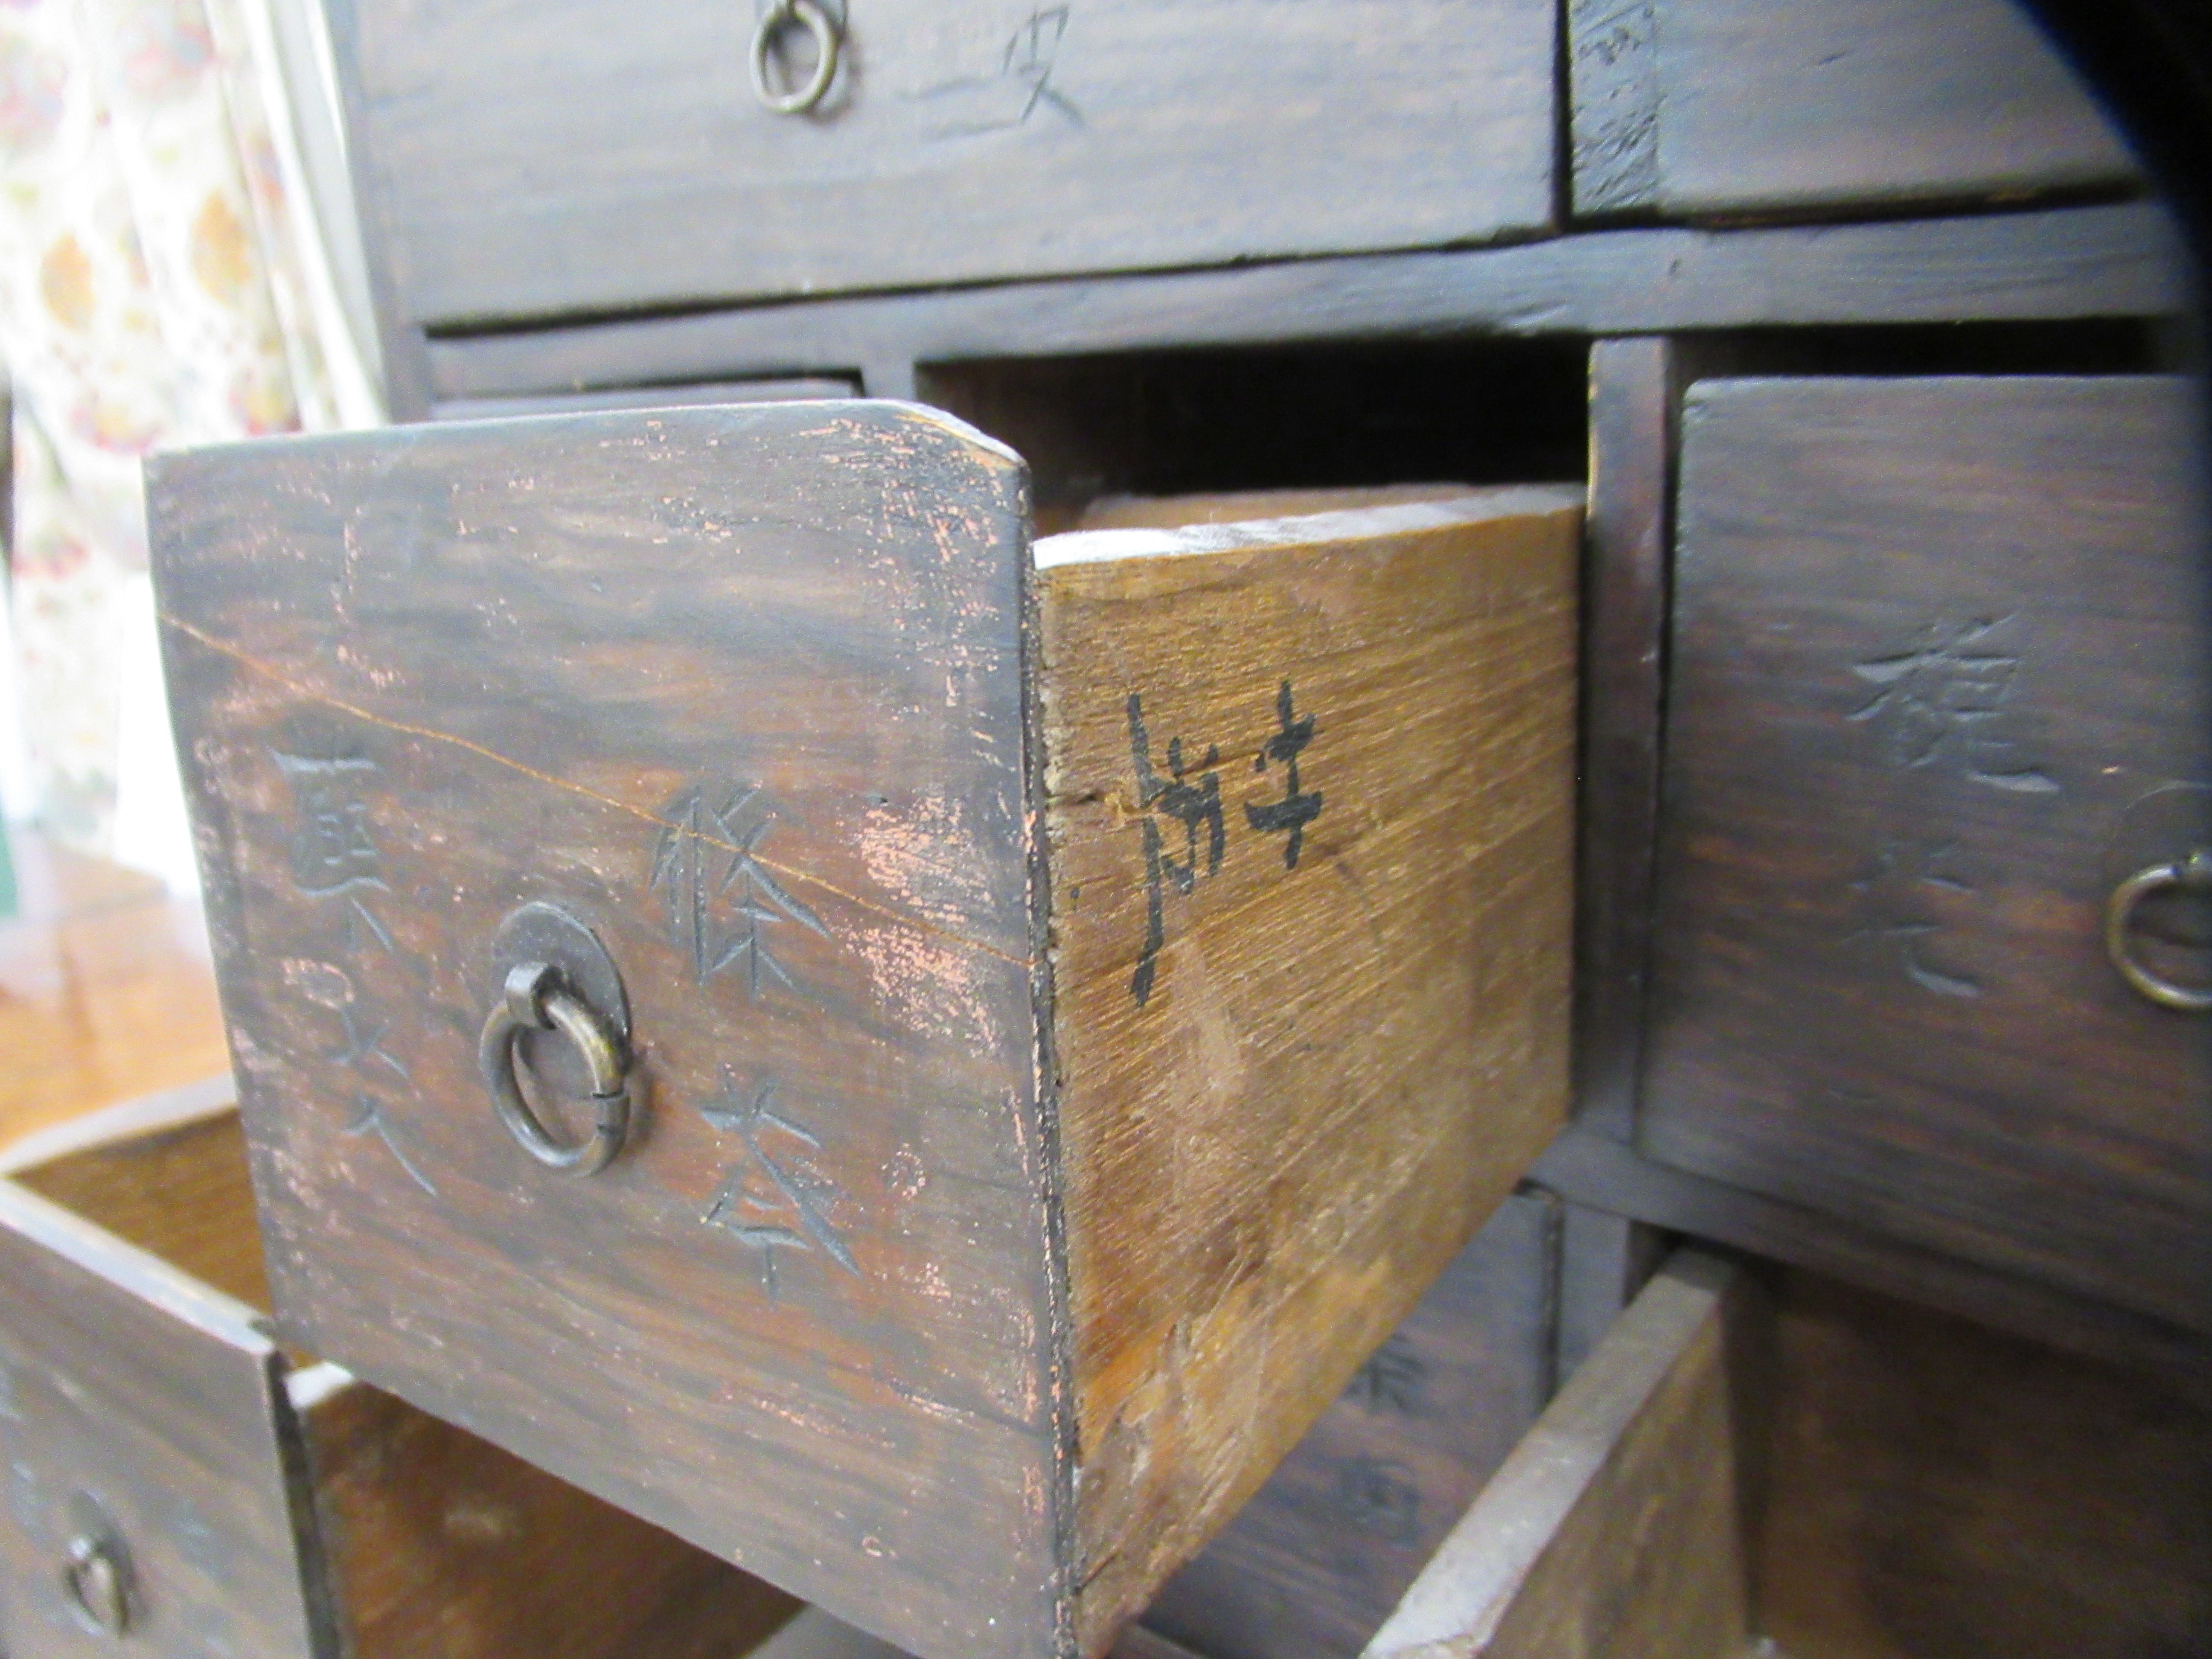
(163, 283)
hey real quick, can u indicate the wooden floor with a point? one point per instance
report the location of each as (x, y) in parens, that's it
(106, 993)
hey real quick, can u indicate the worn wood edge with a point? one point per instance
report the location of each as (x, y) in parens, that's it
(2112, 260)
(1237, 506)
(1470, 1585)
(125, 1121)
(1079, 547)
(90, 1246)
(1596, 1170)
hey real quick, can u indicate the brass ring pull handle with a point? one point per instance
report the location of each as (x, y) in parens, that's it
(2192, 874)
(536, 998)
(818, 22)
(93, 1575)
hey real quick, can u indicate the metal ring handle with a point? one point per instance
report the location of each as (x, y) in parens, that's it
(93, 1576)
(2191, 875)
(536, 999)
(819, 24)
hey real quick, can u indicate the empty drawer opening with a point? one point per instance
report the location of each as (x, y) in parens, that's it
(1290, 421)
(1769, 1462)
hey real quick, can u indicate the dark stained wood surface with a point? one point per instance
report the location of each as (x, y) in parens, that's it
(1311, 1567)
(528, 161)
(136, 1402)
(806, 1321)
(2086, 262)
(1634, 396)
(1940, 661)
(1691, 106)
(1933, 1487)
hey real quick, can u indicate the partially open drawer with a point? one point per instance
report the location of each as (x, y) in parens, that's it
(1759, 1463)
(179, 1485)
(1028, 1028)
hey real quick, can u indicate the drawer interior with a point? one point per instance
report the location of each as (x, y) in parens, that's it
(1770, 1462)
(430, 1539)
(182, 1194)
(1164, 424)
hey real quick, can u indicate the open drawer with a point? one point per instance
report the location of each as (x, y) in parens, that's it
(1766, 1463)
(179, 1485)
(1027, 1027)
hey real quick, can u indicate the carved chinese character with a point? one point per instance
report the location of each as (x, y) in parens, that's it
(1898, 896)
(361, 1051)
(1378, 1496)
(1193, 806)
(719, 895)
(1288, 816)
(774, 1198)
(1393, 1379)
(1938, 702)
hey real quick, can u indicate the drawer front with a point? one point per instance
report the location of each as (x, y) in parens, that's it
(1939, 685)
(1702, 106)
(776, 763)
(582, 155)
(138, 1419)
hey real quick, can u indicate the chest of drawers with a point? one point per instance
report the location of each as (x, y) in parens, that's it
(1853, 487)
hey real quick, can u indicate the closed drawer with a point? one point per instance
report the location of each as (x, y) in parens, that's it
(1756, 1461)
(178, 1486)
(1939, 689)
(1696, 106)
(531, 160)
(1074, 1006)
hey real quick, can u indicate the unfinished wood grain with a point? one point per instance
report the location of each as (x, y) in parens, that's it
(183, 1194)
(437, 1542)
(1614, 1531)
(1289, 1093)
(1314, 1564)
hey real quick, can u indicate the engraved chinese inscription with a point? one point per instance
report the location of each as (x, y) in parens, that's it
(775, 1197)
(1393, 1380)
(335, 861)
(1377, 1495)
(722, 903)
(1187, 799)
(1940, 701)
(1899, 897)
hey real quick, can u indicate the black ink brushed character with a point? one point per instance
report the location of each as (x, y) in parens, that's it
(1288, 816)
(1191, 805)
